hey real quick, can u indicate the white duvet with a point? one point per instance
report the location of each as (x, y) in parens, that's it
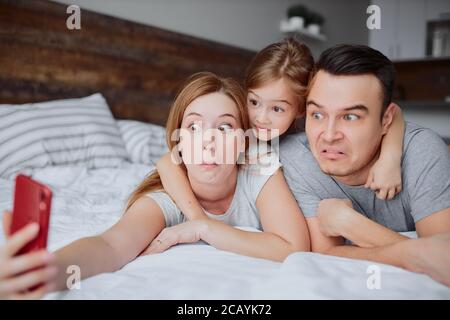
(87, 202)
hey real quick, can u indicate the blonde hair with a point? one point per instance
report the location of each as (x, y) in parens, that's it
(197, 85)
(287, 59)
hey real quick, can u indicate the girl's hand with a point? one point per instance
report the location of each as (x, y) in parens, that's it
(385, 178)
(20, 273)
(187, 232)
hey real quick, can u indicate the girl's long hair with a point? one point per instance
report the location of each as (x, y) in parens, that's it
(197, 85)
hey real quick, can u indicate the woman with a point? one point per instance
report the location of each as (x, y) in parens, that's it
(229, 195)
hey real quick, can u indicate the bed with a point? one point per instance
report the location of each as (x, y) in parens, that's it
(90, 184)
(86, 202)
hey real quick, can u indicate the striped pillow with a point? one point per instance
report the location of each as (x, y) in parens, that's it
(145, 142)
(60, 132)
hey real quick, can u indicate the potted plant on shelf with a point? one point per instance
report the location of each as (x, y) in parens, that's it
(297, 16)
(315, 22)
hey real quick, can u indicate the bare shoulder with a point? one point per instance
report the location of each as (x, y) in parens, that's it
(143, 205)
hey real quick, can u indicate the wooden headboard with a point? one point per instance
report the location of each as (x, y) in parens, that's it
(136, 67)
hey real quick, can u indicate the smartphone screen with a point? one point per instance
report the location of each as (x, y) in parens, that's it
(32, 203)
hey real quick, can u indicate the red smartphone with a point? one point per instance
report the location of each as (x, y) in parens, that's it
(32, 203)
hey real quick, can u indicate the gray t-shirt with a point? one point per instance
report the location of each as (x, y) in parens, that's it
(242, 211)
(425, 167)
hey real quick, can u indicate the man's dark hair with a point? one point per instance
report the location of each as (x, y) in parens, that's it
(345, 59)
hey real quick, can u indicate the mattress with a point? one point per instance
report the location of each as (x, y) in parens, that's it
(86, 202)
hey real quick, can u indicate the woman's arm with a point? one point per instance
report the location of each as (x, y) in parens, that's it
(284, 226)
(285, 229)
(385, 175)
(177, 186)
(115, 247)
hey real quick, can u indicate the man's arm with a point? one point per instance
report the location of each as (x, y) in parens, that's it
(427, 255)
(334, 246)
(338, 218)
(435, 223)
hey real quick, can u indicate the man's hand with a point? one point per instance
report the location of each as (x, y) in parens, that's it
(334, 214)
(187, 232)
(431, 256)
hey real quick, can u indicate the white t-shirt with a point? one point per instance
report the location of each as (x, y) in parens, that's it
(263, 158)
(242, 211)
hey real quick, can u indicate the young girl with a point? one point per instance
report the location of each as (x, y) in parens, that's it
(276, 83)
(231, 195)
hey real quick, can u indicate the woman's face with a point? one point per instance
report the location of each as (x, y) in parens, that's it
(211, 138)
(272, 109)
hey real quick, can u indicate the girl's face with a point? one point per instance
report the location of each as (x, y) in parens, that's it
(211, 138)
(272, 109)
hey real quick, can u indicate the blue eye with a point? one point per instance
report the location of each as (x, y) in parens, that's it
(317, 115)
(351, 117)
(278, 109)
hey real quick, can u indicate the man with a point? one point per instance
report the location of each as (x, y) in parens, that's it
(349, 110)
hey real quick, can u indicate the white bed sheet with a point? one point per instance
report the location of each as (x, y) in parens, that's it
(87, 202)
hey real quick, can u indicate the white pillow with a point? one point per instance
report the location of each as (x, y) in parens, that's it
(145, 142)
(60, 132)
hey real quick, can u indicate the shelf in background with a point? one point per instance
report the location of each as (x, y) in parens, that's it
(306, 33)
(424, 105)
(423, 81)
(424, 59)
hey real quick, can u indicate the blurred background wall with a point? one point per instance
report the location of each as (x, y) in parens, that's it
(414, 34)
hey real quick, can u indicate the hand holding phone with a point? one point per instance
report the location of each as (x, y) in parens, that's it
(32, 204)
(26, 268)
(28, 276)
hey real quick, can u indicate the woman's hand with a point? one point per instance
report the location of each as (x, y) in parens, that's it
(20, 273)
(385, 178)
(187, 232)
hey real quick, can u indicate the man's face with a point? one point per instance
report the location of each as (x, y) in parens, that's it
(343, 123)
